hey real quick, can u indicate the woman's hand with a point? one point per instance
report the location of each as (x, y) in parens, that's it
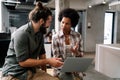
(74, 49)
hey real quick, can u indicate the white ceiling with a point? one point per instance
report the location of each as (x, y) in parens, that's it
(77, 4)
(80, 4)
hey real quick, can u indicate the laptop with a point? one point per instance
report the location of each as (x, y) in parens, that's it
(76, 64)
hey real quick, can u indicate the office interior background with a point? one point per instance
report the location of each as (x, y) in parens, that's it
(92, 22)
(98, 24)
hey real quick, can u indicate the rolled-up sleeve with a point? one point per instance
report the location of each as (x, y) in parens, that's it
(21, 46)
(80, 49)
(55, 47)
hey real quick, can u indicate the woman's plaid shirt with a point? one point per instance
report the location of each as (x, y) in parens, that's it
(58, 45)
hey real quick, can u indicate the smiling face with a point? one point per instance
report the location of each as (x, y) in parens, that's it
(66, 25)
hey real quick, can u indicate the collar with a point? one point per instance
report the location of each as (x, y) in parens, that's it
(30, 28)
(62, 34)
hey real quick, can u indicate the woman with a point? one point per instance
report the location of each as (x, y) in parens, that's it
(67, 43)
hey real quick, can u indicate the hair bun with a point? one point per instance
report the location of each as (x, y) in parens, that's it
(39, 5)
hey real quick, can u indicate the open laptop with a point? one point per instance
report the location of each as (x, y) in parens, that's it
(76, 64)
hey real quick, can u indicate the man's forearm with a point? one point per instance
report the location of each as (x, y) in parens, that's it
(33, 62)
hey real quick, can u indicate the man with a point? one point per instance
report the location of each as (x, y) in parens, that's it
(26, 49)
(67, 43)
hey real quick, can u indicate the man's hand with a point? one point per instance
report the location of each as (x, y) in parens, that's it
(55, 62)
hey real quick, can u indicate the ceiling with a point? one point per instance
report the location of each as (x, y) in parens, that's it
(23, 4)
(29, 4)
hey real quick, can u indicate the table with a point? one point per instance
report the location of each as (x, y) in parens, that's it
(107, 59)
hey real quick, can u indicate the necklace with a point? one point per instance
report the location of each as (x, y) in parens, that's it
(67, 40)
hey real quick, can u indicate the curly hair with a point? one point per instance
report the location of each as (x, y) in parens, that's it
(69, 13)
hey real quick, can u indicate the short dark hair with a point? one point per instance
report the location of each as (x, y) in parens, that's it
(70, 13)
(39, 12)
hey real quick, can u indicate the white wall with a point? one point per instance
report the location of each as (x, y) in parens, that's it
(4, 18)
(94, 34)
(0, 15)
(118, 28)
(76, 4)
(79, 4)
(94, 16)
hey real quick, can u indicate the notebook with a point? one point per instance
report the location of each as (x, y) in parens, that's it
(76, 64)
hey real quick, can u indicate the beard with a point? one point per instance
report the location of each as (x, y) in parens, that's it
(43, 29)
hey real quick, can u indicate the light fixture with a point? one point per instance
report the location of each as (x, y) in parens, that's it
(90, 6)
(104, 2)
(114, 3)
(44, 2)
(11, 4)
(11, 1)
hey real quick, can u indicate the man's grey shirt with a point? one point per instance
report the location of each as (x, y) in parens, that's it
(24, 44)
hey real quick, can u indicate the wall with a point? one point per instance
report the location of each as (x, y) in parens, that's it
(5, 19)
(118, 28)
(94, 32)
(76, 4)
(94, 15)
(79, 4)
(17, 17)
(0, 15)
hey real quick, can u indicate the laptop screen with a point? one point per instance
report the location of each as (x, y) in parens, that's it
(76, 64)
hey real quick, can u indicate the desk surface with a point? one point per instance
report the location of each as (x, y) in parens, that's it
(108, 60)
(113, 46)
